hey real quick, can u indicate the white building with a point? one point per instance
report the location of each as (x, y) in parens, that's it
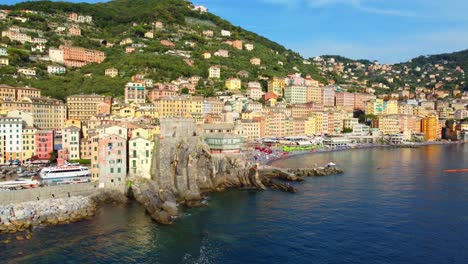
(225, 33)
(27, 72)
(249, 47)
(111, 72)
(71, 142)
(200, 8)
(11, 134)
(56, 55)
(214, 72)
(53, 69)
(4, 61)
(296, 94)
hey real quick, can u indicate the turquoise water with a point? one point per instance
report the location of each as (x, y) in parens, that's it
(391, 206)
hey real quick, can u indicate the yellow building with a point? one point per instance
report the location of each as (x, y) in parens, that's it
(310, 126)
(146, 110)
(83, 107)
(391, 107)
(179, 106)
(314, 94)
(124, 112)
(145, 133)
(430, 127)
(250, 115)
(276, 86)
(47, 113)
(233, 84)
(317, 118)
(387, 124)
(28, 142)
(248, 129)
(73, 122)
(375, 107)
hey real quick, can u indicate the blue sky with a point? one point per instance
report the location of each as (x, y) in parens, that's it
(387, 30)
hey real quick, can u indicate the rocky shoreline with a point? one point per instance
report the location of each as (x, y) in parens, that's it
(23, 217)
(182, 171)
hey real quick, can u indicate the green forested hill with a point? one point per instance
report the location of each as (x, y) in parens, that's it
(119, 19)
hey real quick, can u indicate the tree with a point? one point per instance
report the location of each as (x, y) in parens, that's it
(185, 91)
(347, 130)
(370, 117)
(53, 157)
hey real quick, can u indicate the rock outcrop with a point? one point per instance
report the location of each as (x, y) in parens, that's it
(317, 172)
(183, 169)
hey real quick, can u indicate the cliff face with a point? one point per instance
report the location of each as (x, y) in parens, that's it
(183, 168)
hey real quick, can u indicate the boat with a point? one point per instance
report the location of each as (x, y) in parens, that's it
(456, 170)
(19, 184)
(66, 174)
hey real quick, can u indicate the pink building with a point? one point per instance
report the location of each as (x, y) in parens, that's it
(44, 144)
(361, 99)
(157, 93)
(110, 159)
(345, 100)
(254, 93)
(328, 96)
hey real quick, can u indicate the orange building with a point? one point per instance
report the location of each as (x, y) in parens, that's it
(237, 44)
(78, 56)
(430, 127)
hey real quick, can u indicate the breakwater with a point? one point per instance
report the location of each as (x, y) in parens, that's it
(21, 210)
(50, 192)
(23, 216)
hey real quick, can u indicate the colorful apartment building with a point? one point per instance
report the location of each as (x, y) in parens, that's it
(276, 86)
(76, 56)
(109, 159)
(135, 92)
(391, 107)
(214, 72)
(140, 151)
(83, 107)
(361, 99)
(233, 84)
(179, 106)
(237, 44)
(387, 124)
(375, 107)
(28, 143)
(430, 127)
(11, 134)
(71, 137)
(16, 93)
(314, 94)
(328, 96)
(44, 144)
(295, 94)
(345, 100)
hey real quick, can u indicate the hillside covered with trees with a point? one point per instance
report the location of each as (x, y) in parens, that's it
(119, 20)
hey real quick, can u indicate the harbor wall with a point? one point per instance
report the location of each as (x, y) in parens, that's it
(51, 192)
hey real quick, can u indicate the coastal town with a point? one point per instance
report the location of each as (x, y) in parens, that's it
(113, 136)
(262, 131)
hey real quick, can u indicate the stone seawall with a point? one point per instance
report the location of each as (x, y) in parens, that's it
(22, 216)
(61, 191)
(82, 203)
